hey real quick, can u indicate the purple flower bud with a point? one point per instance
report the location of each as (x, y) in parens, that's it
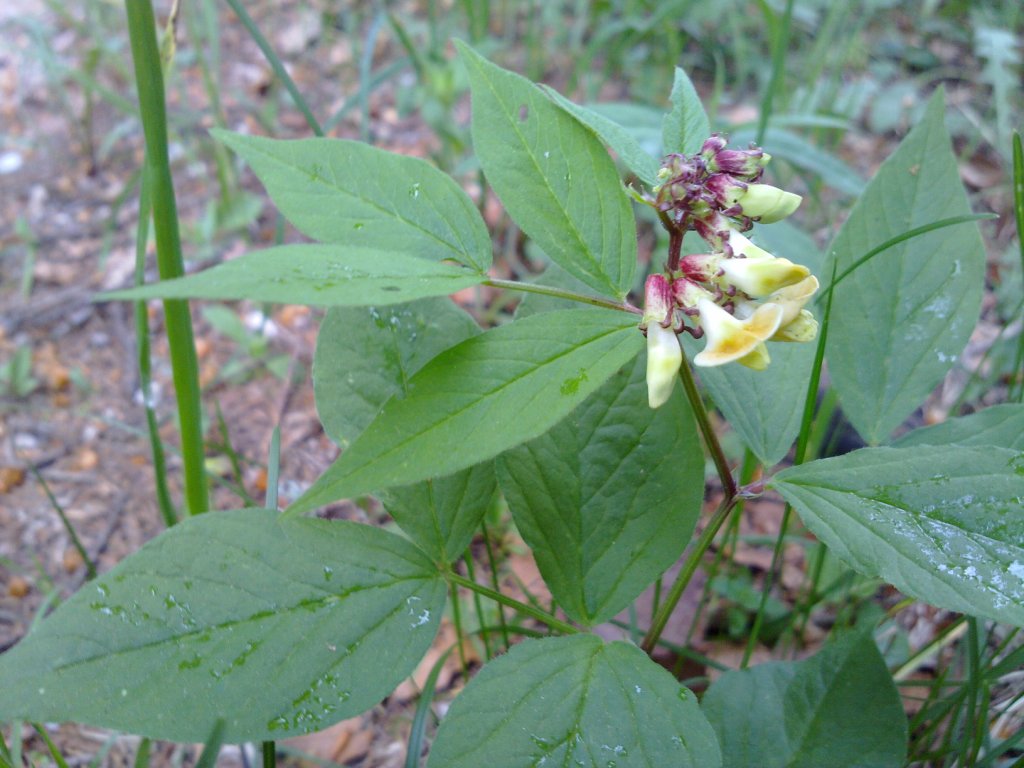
(689, 294)
(714, 144)
(745, 163)
(701, 267)
(659, 302)
(727, 191)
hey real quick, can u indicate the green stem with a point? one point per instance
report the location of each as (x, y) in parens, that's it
(707, 431)
(90, 567)
(275, 64)
(156, 445)
(535, 613)
(689, 568)
(471, 573)
(810, 401)
(559, 293)
(493, 565)
(185, 368)
(269, 754)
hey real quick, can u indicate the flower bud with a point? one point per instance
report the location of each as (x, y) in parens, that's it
(659, 302)
(689, 294)
(714, 144)
(745, 163)
(801, 328)
(700, 266)
(766, 203)
(730, 339)
(664, 356)
(760, 277)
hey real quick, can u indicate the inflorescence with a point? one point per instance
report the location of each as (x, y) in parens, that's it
(737, 296)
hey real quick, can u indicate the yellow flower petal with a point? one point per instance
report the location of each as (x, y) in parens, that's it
(729, 339)
(792, 298)
(758, 359)
(760, 277)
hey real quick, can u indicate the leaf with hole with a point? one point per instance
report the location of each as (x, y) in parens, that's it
(277, 627)
(553, 177)
(319, 275)
(942, 523)
(482, 397)
(609, 497)
(574, 701)
(340, 191)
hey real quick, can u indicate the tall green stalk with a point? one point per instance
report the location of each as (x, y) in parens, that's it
(150, 83)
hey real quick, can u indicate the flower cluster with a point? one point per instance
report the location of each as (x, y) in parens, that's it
(737, 296)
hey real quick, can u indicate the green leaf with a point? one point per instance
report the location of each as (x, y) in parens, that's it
(339, 191)
(365, 356)
(621, 141)
(574, 701)
(442, 514)
(553, 177)
(900, 320)
(608, 498)
(1000, 425)
(942, 523)
(765, 407)
(686, 125)
(839, 707)
(321, 275)
(277, 627)
(482, 397)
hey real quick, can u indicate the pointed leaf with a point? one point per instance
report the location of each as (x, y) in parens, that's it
(765, 407)
(900, 320)
(574, 701)
(608, 498)
(482, 397)
(364, 356)
(1001, 425)
(278, 628)
(618, 138)
(319, 275)
(553, 177)
(443, 513)
(942, 523)
(686, 125)
(839, 707)
(339, 191)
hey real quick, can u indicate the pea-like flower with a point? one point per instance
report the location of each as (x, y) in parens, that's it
(730, 339)
(664, 355)
(738, 295)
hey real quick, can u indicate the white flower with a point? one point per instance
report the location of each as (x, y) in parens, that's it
(731, 339)
(664, 356)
